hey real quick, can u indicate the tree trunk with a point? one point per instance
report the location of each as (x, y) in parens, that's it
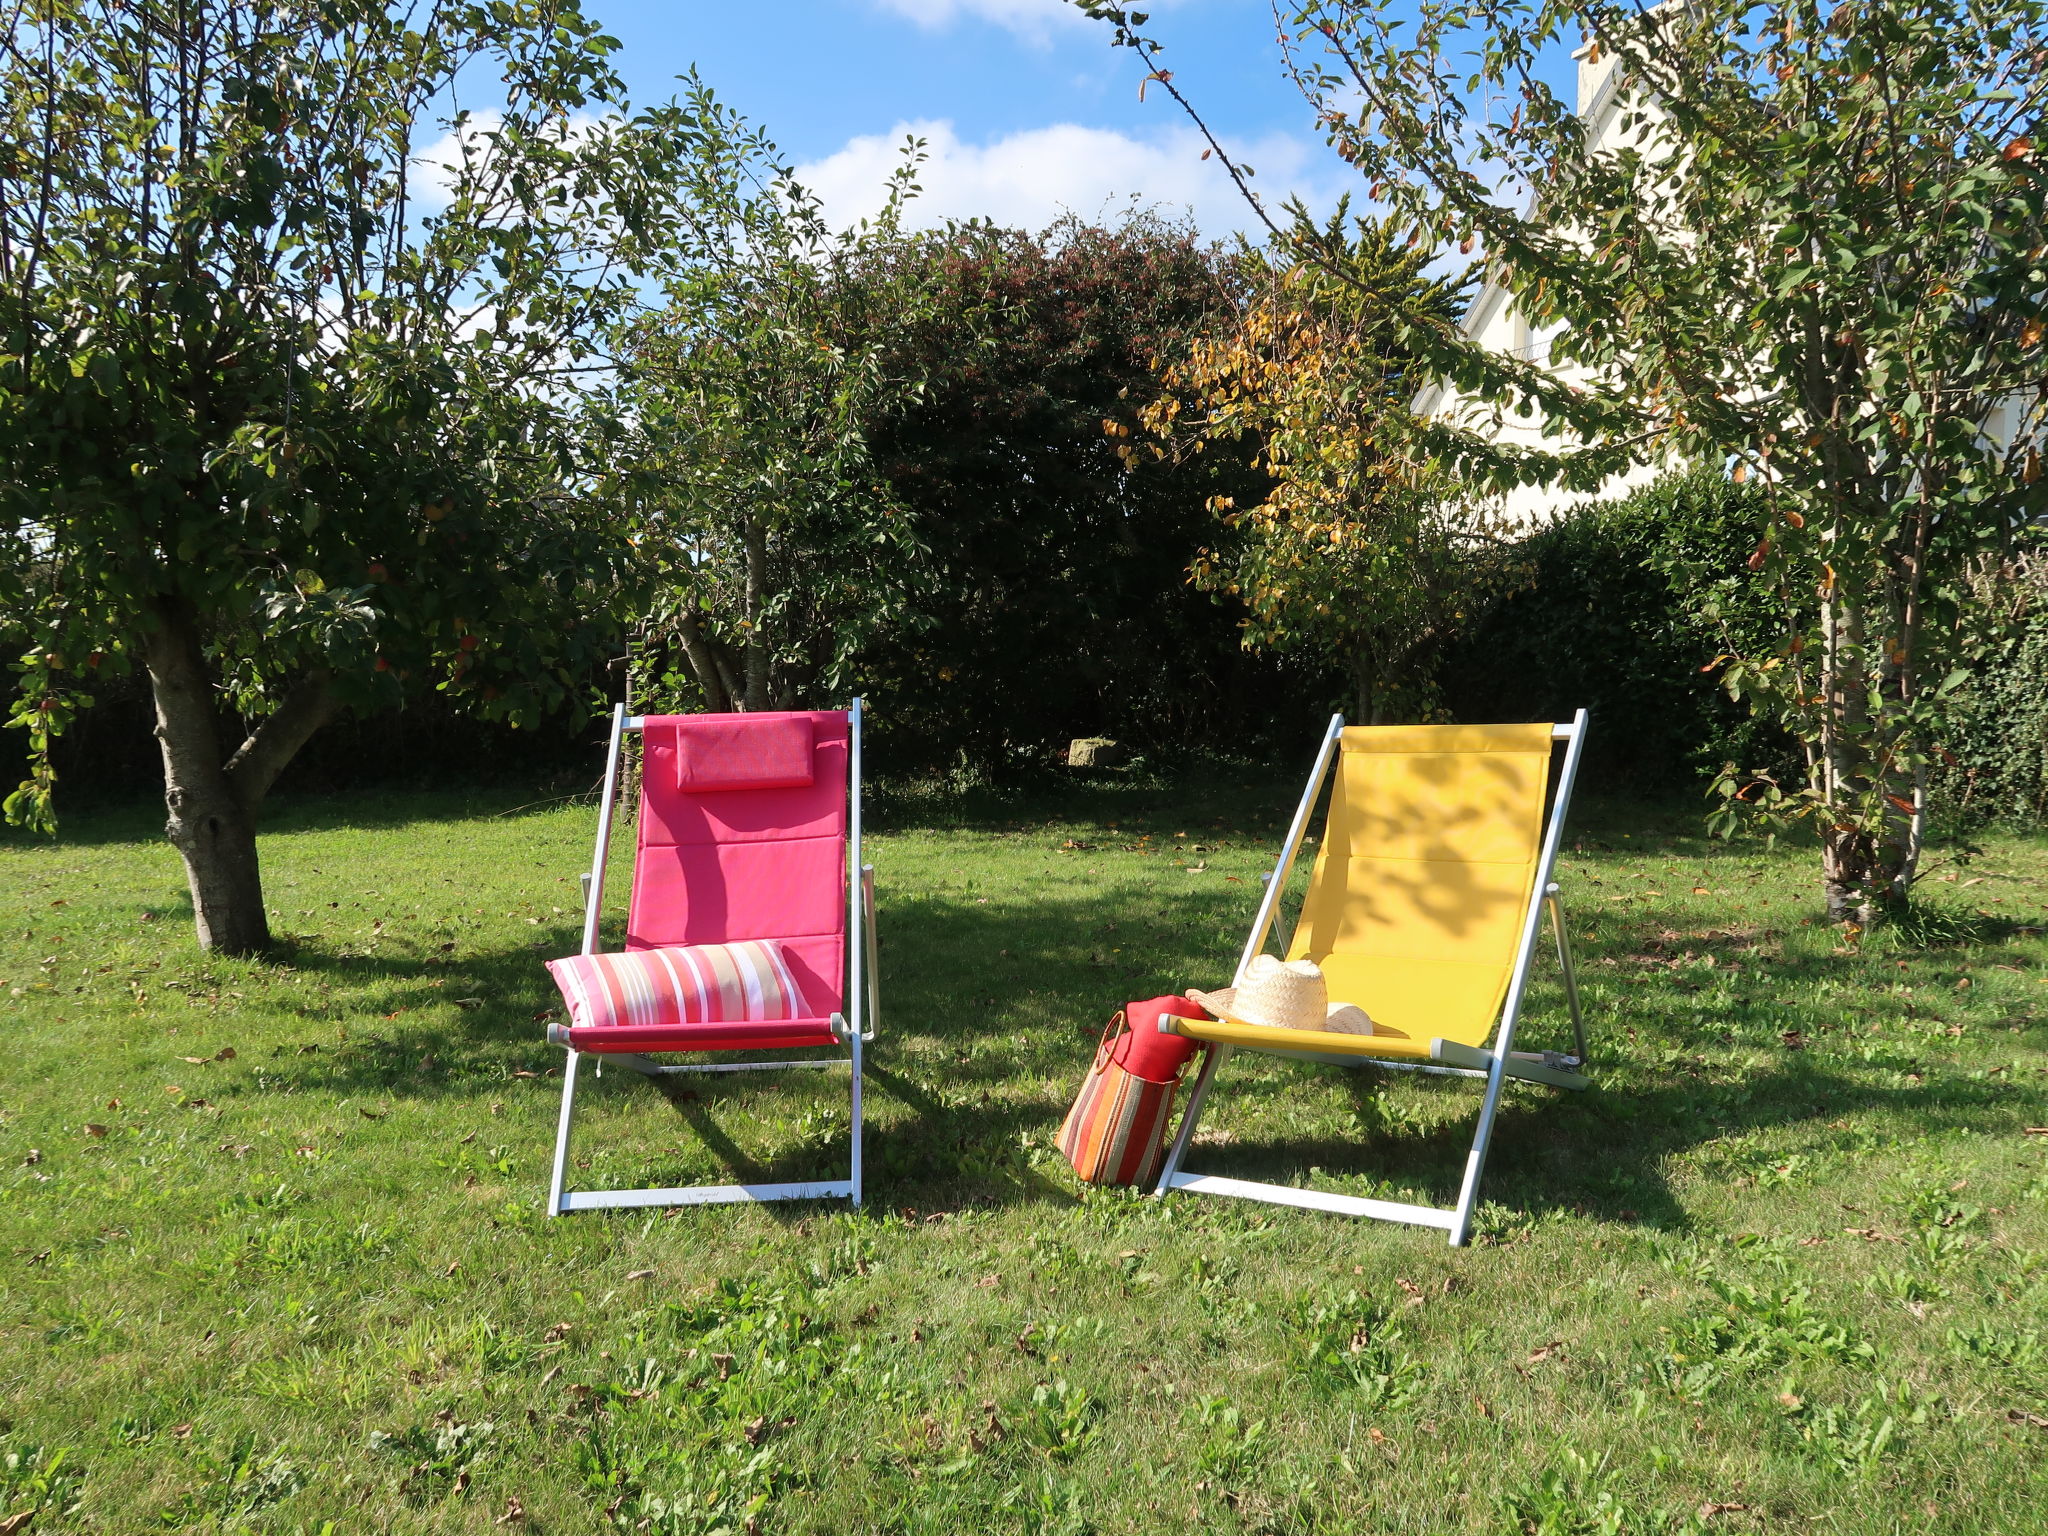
(755, 540)
(704, 667)
(212, 804)
(1860, 875)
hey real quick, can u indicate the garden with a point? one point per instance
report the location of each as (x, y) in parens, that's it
(391, 401)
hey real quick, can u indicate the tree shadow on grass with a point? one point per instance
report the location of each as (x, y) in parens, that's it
(141, 820)
(992, 1006)
(1598, 1153)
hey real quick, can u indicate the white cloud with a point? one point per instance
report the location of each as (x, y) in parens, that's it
(1030, 178)
(1033, 19)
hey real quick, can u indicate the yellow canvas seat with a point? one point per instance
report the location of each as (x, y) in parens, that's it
(1423, 909)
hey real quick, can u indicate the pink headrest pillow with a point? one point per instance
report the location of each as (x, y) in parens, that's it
(772, 752)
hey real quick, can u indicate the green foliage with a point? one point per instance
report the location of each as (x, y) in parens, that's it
(775, 549)
(1351, 555)
(1057, 603)
(290, 417)
(971, 539)
(247, 379)
(1992, 765)
(1808, 244)
(1625, 608)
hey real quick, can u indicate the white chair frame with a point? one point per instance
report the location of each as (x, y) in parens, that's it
(1450, 1058)
(853, 1027)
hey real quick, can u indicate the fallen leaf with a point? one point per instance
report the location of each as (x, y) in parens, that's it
(515, 1512)
(113, 1103)
(1708, 1511)
(372, 1114)
(2020, 1416)
(35, 1155)
(1543, 1352)
(558, 1331)
(988, 1282)
(196, 1061)
(1484, 1411)
(225, 1053)
(724, 1364)
(641, 1274)
(449, 1272)
(94, 1130)
(757, 1431)
(473, 1002)
(1376, 1435)
(16, 1523)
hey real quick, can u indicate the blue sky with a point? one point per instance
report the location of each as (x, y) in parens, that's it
(1027, 108)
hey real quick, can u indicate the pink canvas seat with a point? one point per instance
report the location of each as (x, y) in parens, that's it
(749, 829)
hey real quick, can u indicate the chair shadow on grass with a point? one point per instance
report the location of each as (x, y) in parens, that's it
(991, 1009)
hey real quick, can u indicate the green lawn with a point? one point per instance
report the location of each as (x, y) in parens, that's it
(273, 1256)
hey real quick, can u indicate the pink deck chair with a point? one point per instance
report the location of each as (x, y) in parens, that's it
(749, 829)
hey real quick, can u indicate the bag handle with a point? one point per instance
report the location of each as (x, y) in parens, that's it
(1111, 1032)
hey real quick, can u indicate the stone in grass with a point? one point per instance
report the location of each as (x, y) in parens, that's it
(1094, 752)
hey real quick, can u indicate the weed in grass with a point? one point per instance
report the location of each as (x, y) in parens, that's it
(40, 1483)
(1912, 1289)
(1754, 1329)
(1228, 1445)
(1352, 1349)
(1575, 1497)
(1858, 1440)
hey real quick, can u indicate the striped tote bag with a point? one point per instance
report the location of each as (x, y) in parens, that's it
(1116, 1131)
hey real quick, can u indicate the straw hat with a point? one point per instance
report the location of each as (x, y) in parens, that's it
(1284, 994)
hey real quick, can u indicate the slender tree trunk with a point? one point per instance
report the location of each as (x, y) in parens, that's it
(704, 666)
(756, 541)
(1363, 677)
(212, 803)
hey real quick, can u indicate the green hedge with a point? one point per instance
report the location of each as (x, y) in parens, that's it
(1995, 766)
(1600, 611)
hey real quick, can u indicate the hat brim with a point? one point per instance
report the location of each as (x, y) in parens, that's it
(1340, 1018)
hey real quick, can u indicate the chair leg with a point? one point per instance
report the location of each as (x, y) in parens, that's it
(1571, 975)
(856, 1042)
(1475, 1160)
(1213, 1058)
(562, 1134)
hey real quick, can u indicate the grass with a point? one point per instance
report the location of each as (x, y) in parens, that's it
(273, 1257)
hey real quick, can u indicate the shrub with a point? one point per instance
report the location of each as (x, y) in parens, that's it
(1621, 607)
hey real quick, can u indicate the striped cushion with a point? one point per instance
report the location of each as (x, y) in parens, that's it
(688, 984)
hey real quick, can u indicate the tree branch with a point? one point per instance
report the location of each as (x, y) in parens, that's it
(273, 744)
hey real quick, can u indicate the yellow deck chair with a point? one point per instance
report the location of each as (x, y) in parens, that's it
(1423, 908)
